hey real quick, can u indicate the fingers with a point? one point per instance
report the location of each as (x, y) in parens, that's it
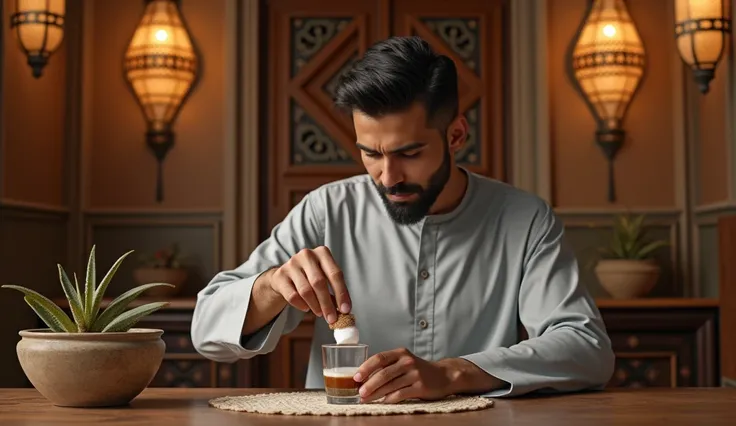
(283, 285)
(402, 394)
(305, 280)
(309, 261)
(389, 379)
(320, 285)
(377, 362)
(335, 276)
(399, 382)
(305, 290)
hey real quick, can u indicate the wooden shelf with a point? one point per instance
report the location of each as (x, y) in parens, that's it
(653, 303)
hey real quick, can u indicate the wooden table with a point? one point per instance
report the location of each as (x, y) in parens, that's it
(180, 407)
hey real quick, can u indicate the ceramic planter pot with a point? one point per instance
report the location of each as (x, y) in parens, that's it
(174, 276)
(627, 279)
(90, 369)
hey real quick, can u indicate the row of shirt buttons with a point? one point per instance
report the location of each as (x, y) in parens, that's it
(423, 323)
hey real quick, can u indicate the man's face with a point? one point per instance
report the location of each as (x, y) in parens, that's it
(410, 162)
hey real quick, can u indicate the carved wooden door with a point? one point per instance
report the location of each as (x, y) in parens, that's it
(310, 43)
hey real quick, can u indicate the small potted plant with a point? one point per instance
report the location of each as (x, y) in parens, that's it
(95, 358)
(627, 268)
(164, 266)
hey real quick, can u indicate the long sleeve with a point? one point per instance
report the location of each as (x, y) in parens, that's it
(568, 348)
(222, 305)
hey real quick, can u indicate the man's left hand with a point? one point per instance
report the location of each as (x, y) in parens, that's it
(399, 375)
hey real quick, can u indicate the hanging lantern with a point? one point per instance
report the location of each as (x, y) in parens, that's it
(161, 67)
(701, 28)
(608, 64)
(39, 28)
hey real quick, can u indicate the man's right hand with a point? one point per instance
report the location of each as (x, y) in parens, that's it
(304, 282)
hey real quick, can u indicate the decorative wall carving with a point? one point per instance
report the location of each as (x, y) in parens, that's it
(461, 35)
(311, 144)
(310, 35)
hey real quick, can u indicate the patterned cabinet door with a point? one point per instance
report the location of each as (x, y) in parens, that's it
(663, 347)
(471, 33)
(310, 44)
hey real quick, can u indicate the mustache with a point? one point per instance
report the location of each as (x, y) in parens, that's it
(401, 188)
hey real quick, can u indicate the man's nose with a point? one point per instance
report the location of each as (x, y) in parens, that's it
(391, 174)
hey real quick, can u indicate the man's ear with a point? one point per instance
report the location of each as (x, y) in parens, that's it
(457, 133)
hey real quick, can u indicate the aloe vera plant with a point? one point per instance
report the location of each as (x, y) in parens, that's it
(630, 240)
(85, 305)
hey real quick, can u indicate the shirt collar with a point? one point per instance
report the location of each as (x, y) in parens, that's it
(467, 197)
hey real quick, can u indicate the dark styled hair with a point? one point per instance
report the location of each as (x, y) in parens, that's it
(394, 74)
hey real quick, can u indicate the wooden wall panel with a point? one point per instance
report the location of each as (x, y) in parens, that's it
(34, 121)
(32, 242)
(198, 236)
(727, 267)
(33, 198)
(712, 160)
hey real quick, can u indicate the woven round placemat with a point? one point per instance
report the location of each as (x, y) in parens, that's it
(314, 403)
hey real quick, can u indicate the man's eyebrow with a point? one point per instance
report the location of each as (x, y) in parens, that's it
(365, 148)
(409, 147)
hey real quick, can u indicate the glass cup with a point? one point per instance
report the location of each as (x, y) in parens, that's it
(339, 365)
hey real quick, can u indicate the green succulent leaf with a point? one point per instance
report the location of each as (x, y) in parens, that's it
(75, 302)
(649, 248)
(126, 320)
(47, 310)
(629, 239)
(117, 306)
(90, 287)
(45, 315)
(100, 291)
(76, 283)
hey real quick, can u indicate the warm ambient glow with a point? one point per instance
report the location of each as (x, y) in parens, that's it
(608, 65)
(608, 60)
(160, 63)
(161, 67)
(39, 28)
(701, 28)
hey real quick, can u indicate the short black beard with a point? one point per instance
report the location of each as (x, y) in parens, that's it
(411, 212)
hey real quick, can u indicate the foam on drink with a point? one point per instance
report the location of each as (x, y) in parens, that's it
(339, 381)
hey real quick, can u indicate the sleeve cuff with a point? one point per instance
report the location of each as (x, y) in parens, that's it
(219, 332)
(265, 339)
(492, 363)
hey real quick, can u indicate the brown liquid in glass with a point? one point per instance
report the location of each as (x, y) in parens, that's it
(342, 383)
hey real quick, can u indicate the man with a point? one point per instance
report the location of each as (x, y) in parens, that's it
(435, 263)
